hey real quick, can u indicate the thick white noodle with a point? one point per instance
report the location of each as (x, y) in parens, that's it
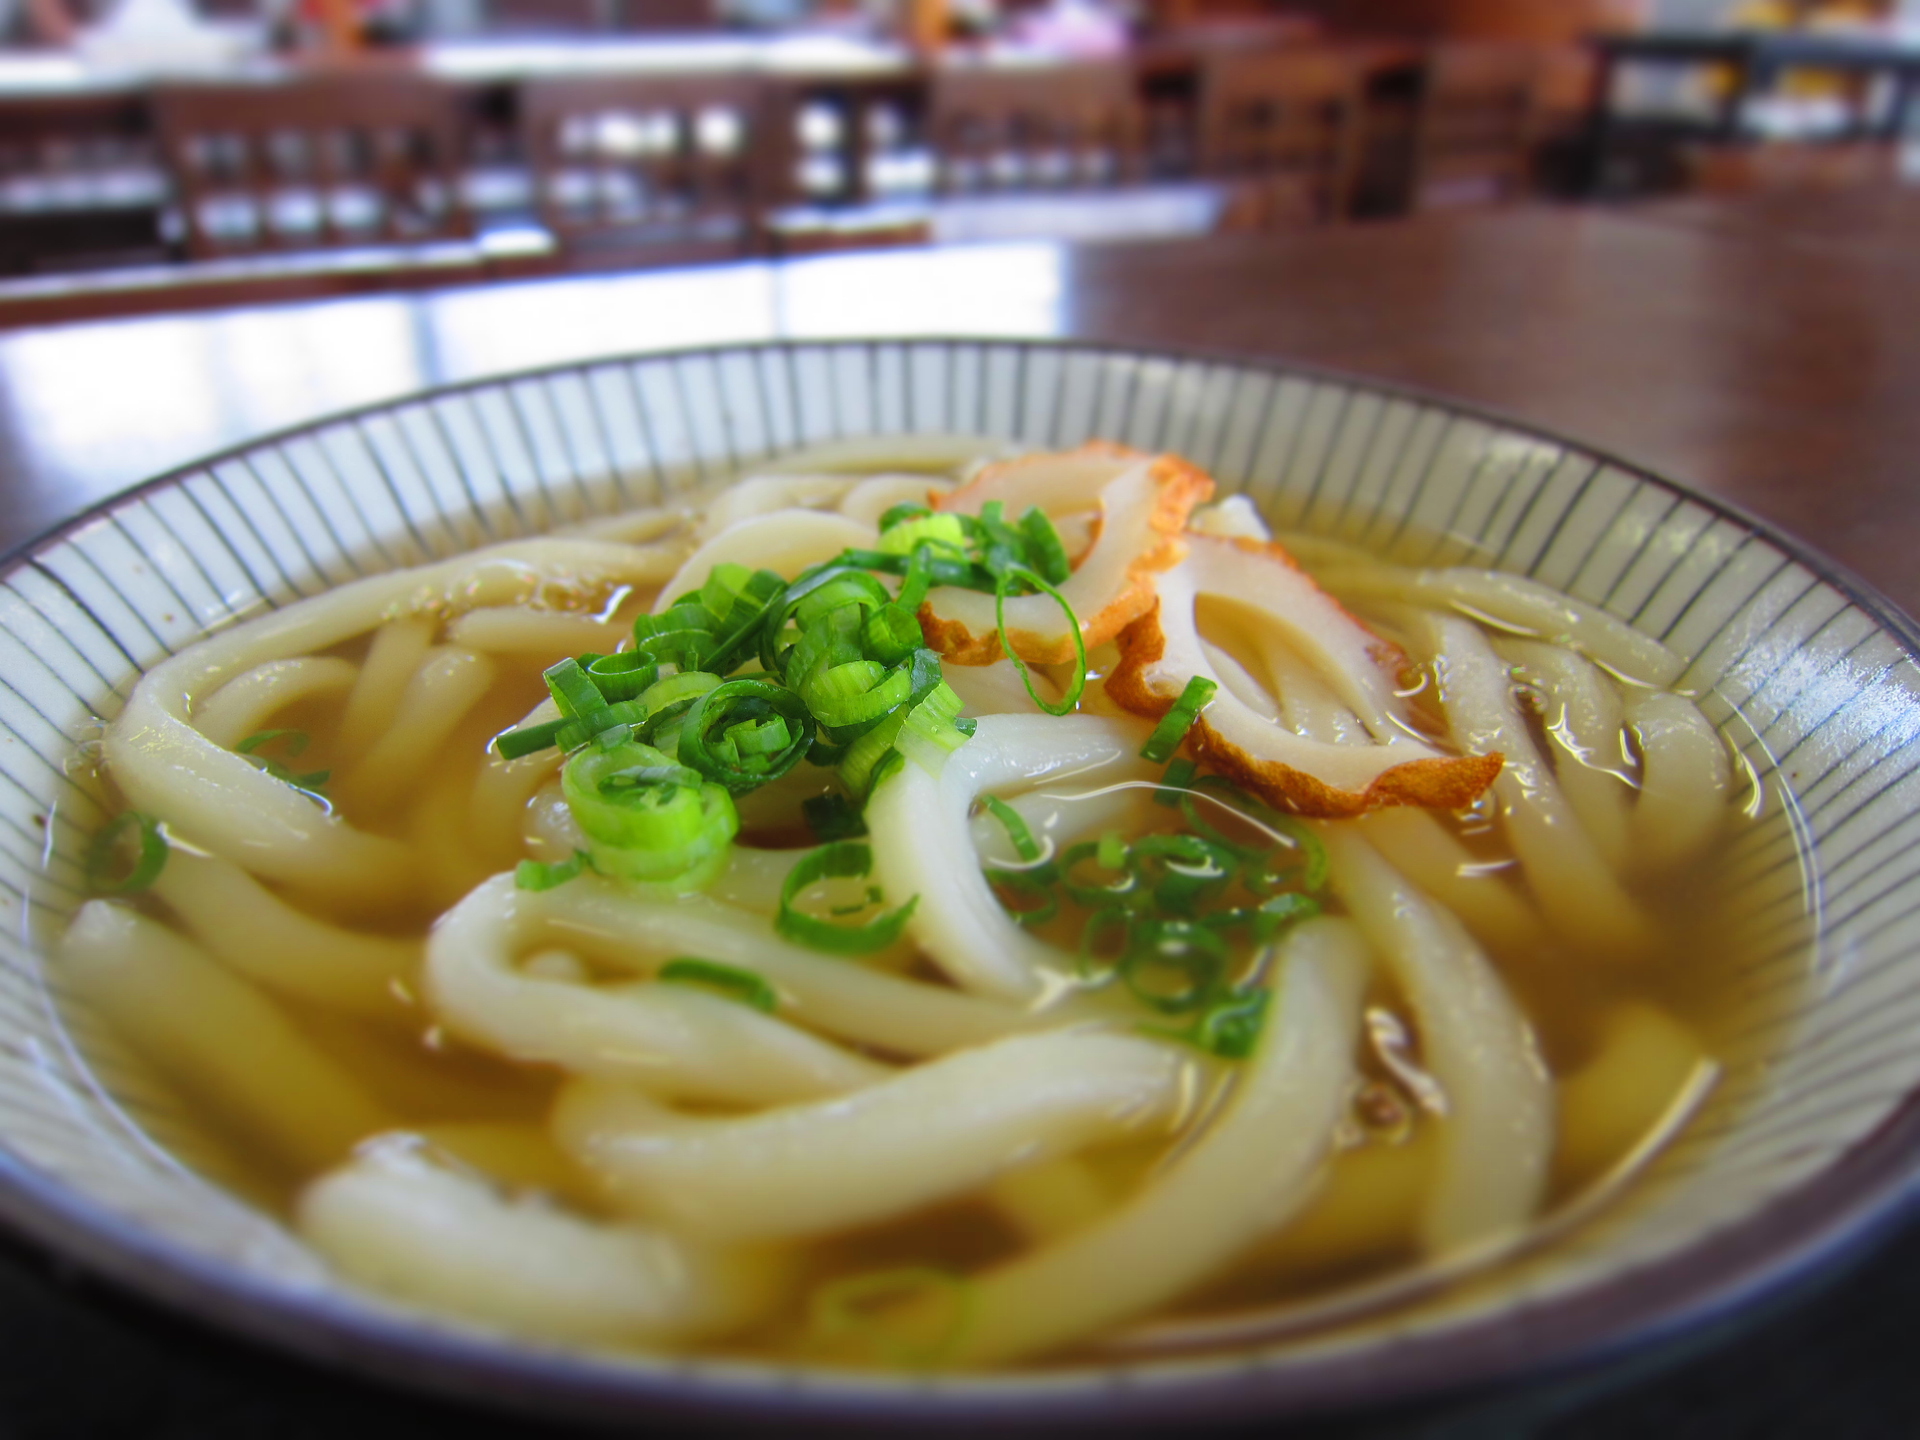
(610, 924)
(877, 494)
(1579, 894)
(676, 1040)
(1685, 781)
(930, 1133)
(1497, 1136)
(1247, 1172)
(1048, 1202)
(242, 706)
(996, 689)
(217, 1038)
(763, 494)
(628, 527)
(786, 541)
(252, 930)
(403, 1223)
(535, 634)
(220, 801)
(1585, 719)
(393, 658)
(936, 455)
(1525, 605)
(497, 807)
(1420, 847)
(449, 683)
(922, 844)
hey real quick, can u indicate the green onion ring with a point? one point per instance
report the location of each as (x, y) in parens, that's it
(1174, 725)
(1075, 690)
(147, 865)
(844, 859)
(736, 984)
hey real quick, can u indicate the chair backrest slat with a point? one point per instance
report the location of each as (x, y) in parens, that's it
(653, 164)
(1474, 137)
(1051, 127)
(1291, 117)
(320, 162)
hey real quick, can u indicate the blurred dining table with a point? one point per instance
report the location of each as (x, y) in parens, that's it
(1765, 358)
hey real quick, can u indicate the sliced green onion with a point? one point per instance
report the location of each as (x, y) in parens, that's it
(916, 580)
(933, 729)
(1111, 851)
(858, 1307)
(295, 742)
(529, 739)
(1173, 965)
(846, 859)
(1179, 777)
(893, 633)
(1231, 1026)
(1174, 725)
(683, 635)
(860, 766)
(856, 693)
(1274, 828)
(1013, 886)
(730, 981)
(621, 677)
(946, 532)
(648, 818)
(1181, 870)
(743, 733)
(1043, 544)
(833, 817)
(1091, 961)
(572, 734)
(1097, 895)
(539, 875)
(905, 510)
(1079, 685)
(576, 695)
(1024, 845)
(1282, 912)
(104, 855)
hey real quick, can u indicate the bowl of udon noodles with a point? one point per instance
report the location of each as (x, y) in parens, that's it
(936, 880)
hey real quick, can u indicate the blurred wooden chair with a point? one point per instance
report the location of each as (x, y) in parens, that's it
(1052, 127)
(312, 164)
(554, 17)
(654, 169)
(1475, 130)
(1282, 130)
(80, 185)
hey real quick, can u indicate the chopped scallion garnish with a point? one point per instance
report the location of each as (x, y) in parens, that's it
(1024, 845)
(1174, 725)
(107, 854)
(541, 875)
(736, 984)
(843, 860)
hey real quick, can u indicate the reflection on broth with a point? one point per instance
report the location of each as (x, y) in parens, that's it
(791, 972)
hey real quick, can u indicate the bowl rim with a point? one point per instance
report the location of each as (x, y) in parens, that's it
(1839, 1211)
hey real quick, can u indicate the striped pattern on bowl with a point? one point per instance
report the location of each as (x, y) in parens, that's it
(1812, 677)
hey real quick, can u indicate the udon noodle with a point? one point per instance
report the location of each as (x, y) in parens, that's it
(924, 909)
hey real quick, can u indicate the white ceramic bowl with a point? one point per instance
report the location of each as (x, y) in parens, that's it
(1810, 674)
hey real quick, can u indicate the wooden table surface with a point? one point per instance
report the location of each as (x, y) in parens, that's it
(1763, 356)
(1772, 363)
